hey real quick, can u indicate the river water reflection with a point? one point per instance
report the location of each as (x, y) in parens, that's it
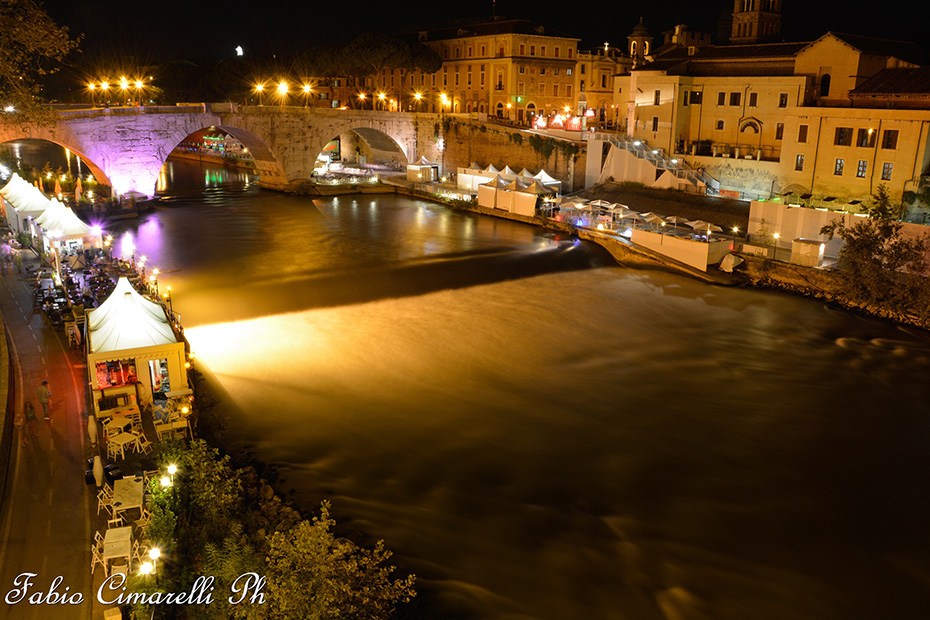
(541, 434)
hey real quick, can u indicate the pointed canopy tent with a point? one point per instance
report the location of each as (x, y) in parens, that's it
(60, 219)
(539, 189)
(544, 178)
(491, 169)
(27, 201)
(527, 174)
(516, 185)
(129, 331)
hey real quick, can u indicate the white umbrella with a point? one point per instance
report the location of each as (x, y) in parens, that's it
(676, 220)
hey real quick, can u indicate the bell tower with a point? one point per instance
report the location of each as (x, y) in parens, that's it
(756, 21)
(639, 43)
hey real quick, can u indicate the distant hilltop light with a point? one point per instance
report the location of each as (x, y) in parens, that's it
(238, 50)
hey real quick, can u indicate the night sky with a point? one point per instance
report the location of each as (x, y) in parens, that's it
(155, 31)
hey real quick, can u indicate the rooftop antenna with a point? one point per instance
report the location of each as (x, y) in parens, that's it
(493, 8)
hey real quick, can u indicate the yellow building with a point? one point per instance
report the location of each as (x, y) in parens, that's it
(809, 118)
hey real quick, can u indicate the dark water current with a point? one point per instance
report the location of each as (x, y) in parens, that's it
(540, 434)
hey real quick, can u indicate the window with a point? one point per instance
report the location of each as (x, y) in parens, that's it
(522, 49)
(456, 78)
(555, 71)
(482, 79)
(532, 50)
(779, 131)
(583, 69)
(657, 98)
(568, 90)
(521, 88)
(581, 86)
(570, 50)
(483, 51)
(866, 137)
(838, 167)
(542, 88)
(735, 98)
(886, 171)
(542, 51)
(783, 100)
(522, 69)
(555, 90)
(799, 162)
(696, 97)
(862, 168)
(721, 98)
(802, 133)
(684, 97)
(825, 85)
(557, 52)
(753, 99)
(471, 52)
(542, 71)
(568, 72)
(719, 124)
(890, 139)
(604, 80)
(458, 52)
(655, 123)
(843, 136)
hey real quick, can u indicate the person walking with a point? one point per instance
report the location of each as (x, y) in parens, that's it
(19, 421)
(30, 415)
(44, 396)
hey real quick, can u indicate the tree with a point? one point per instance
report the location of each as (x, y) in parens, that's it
(882, 267)
(31, 46)
(312, 575)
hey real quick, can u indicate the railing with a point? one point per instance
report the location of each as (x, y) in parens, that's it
(678, 167)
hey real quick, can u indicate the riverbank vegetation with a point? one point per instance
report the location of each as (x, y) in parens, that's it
(879, 267)
(218, 520)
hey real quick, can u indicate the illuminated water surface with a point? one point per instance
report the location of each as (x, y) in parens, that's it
(540, 434)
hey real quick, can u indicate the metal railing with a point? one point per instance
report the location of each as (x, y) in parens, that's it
(678, 167)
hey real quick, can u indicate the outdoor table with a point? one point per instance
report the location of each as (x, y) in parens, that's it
(117, 423)
(117, 543)
(127, 494)
(122, 440)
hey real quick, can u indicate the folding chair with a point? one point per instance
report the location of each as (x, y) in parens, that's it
(115, 522)
(96, 552)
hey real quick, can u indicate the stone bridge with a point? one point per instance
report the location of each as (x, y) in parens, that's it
(126, 147)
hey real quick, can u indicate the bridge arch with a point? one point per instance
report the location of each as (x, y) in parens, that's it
(374, 145)
(10, 132)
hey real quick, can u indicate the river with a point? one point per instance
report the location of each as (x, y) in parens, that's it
(541, 434)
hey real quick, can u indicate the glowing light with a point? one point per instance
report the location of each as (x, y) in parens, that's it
(381, 96)
(239, 51)
(104, 86)
(361, 96)
(418, 96)
(282, 88)
(91, 86)
(155, 553)
(259, 88)
(146, 568)
(165, 481)
(138, 84)
(172, 469)
(735, 229)
(306, 88)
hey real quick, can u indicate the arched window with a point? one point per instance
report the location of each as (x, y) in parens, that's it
(750, 126)
(500, 110)
(825, 85)
(645, 48)
(632, 48)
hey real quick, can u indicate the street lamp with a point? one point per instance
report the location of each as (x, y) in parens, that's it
(418, 96)
(124, 86)
(381, 97)
(282, 91)
(260, 88)
(105, 87)
(361, 100)
(93, 90)
(138, 86)
(307, 89)
(443, 100)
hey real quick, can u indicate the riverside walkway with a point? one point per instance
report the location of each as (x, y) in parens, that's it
(45, 517)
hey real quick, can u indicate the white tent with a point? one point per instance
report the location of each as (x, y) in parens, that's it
(131, 341)
(62, 220)
(423, 171)
(491, 169)
(26, 200)
(488, 195)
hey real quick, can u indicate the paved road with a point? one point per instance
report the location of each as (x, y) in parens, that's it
(45, 519)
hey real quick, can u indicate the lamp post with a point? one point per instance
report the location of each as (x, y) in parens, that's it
(381, 98)
(307, 90)
(282, 91)
(124, 86)
(92, 88)
(105, 89)
(418, 97)
(260, 88)
(139, 86)
(361, 100)
(443, 100)
(168, 299)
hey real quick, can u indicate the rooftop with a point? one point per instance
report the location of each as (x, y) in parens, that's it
(496, 26)
(906, 81)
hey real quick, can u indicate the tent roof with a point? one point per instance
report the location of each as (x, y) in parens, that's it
(60, 219)
(491, 169)
(126, 320)
(496, 182)
(538, 188)
(544, 177)
(23, 196)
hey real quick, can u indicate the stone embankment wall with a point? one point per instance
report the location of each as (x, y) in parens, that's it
(815, 283)
(6, 397)
(468, 141)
